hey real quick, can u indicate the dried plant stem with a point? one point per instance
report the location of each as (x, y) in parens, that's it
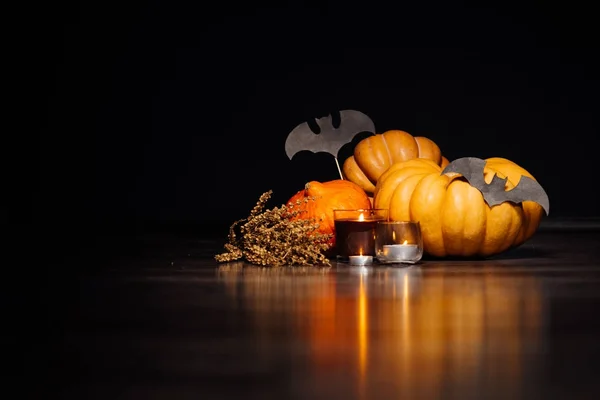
(275, 237)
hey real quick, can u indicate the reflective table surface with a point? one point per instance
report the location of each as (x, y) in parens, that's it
(165, 321)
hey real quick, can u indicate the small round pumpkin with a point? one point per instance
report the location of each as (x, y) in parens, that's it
(375, 154)
(324, 197)
(455, 219)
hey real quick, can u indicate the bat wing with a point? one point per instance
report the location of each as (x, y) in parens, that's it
(526, 190)
(471, 168)
(330, 139)
(303, 138)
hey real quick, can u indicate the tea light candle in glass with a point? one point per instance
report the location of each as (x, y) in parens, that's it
(355, 234)
(398, 242)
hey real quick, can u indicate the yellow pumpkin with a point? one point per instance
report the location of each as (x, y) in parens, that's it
(375, 154)
(454, 217)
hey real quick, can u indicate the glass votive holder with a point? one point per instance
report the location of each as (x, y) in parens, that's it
(398, 242)
(355, 234)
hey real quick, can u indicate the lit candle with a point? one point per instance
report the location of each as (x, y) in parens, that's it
(360, 259)
(400, 252)
(355, 234)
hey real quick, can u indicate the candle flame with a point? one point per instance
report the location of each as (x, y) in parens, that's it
(394, 236)
(405, 242)
(361, 217)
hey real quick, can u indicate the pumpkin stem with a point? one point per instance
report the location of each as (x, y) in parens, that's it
(312, 188)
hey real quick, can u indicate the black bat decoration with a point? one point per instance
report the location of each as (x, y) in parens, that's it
(471, 169)
(330, 139)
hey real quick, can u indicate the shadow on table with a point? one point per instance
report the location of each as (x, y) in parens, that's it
(519, 253)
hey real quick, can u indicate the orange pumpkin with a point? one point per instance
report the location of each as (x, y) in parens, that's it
(324, 197)
(455, 219)
(375, 154)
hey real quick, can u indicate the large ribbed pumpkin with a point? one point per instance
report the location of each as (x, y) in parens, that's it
(318, 200)
(375, 154)
(455, 219)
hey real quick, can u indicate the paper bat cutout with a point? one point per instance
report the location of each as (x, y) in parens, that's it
(471, 169)
(330, 140)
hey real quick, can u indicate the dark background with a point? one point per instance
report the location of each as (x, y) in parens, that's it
(171, 116)
(163, 114)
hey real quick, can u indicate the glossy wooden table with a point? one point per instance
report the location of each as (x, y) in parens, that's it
(167, 322)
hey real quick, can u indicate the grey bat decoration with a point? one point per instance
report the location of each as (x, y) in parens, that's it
(330, 139)
(471, 169)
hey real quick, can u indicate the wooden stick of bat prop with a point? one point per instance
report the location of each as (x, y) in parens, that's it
(338, 167)
(330, 139)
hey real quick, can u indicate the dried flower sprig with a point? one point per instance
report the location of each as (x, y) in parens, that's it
(274, 237)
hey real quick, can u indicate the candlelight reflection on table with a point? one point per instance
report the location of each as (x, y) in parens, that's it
(376, 324)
